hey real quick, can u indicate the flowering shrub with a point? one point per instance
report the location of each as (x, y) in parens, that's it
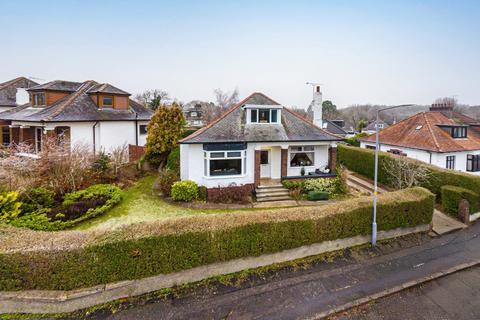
(184, 191)
(321, 184)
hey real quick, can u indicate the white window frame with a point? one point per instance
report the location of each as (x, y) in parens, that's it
(292, 152)
(207, 158)
(249, 116)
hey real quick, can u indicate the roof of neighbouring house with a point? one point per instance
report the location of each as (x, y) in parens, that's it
(108, 89)
(424, 131)
(231, 126)
(8, 90)
(333, 128)
(77, 106)
(371, 125)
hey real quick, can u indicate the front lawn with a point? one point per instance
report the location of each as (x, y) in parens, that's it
(140, 204)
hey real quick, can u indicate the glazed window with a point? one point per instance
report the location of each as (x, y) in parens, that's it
(143, 129)
(224, 163)
(450, 162)
(302, 156)
(107, 102)
(459, 132)
(5, 136)
(473, 162)
(38, 99)
(264, 116)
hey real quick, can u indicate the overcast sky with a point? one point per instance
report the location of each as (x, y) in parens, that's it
(384, 52)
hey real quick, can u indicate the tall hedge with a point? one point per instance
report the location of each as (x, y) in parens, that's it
(452, 195)
(178, 244)
(362, 161)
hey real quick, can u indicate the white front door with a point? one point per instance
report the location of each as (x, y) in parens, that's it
(265, 157)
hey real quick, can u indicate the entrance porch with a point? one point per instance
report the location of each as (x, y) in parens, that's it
(274, 163)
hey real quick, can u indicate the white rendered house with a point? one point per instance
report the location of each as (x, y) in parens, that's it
(100, 116)
(255, 142)
(441, 137)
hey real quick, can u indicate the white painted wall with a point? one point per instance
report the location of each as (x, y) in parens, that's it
(192, 163)
(435, 158)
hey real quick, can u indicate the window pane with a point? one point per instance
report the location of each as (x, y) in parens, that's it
(263, 157)
(234, 154)
(296, 148)
(5, 136)
(253, 115)
(225, 167)
(107, 101)
(217, 154)
(301, 159)
(143, 129)
(274, 116)
(308, 148)
(264, 116)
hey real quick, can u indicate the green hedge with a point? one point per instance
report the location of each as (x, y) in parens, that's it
(178, 244)
(362, 161)
(452, 195)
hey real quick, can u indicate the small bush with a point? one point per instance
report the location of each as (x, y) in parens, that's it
(173, 161)
(452, 195)
(296, 193)
(294, 184)
(322, 184)
(36, 199)
(165, 181)
(202, 193)
(231, 194)
(317, 195)
(184, 191)
(9, 206)
(353, 141)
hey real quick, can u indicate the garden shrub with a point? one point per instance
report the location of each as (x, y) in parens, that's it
(231, 194)
(76, 207)
(171, 245)
(294, 184)
(318, 195)
(173, 161)
(362, 161)
(165, 181)
(185, 191)
(322, 184)
(202, 193)
(452, 195)
(9, 206)
(36, 199)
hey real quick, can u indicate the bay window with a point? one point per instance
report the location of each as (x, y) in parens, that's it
(302, 156)
(224, 163)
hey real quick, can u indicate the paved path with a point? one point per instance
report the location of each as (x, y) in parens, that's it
(311, 295)
(455, 297)
(443, 224)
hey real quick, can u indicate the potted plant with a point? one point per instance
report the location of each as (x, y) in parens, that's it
(302, 171)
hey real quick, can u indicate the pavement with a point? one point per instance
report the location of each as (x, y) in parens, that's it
(325, 291)
(455, 297)
(442, 224)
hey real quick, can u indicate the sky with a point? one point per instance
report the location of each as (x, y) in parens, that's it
(379, 52)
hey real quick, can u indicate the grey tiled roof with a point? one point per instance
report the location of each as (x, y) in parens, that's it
(333, 128)
(107, 88)
(8, 90)
(77, 106)
(58, 85)
(232, 127)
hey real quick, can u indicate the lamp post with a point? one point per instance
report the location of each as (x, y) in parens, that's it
(375, 183)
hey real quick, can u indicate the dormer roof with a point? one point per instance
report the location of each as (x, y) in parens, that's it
(57, 85)
(106, 88)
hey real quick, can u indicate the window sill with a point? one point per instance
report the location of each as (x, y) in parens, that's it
(224, 177)
(306, 167)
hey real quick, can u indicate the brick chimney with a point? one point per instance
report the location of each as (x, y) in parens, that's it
(444, 107)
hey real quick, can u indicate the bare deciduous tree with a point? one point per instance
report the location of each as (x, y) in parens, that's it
(152, 98)
(119, 158)
(225, 100)
(405, 173)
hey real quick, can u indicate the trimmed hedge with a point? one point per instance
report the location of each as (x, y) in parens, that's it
(362, 161)
(171, 245)
(452, 195)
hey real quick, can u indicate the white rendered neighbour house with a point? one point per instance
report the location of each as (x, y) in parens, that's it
(100, 116)
(255, 142)
(441, 137)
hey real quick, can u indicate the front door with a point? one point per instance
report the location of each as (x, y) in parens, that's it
(265, 164)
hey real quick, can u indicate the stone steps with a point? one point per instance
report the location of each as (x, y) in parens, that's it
(276, 192)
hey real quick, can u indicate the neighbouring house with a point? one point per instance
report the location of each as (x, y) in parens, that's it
(256, 142)
(194, 114)
(370, 128)
(13, 92)
(100, 116)
(440, 136)
(335, 127)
